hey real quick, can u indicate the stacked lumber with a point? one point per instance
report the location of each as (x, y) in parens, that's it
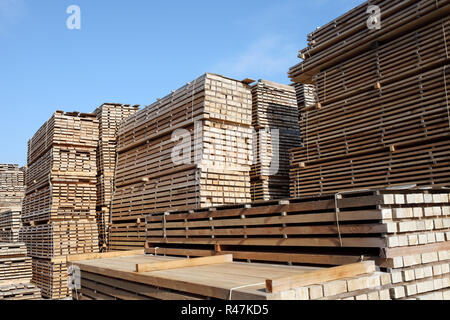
(417, 253)
(275, 119)
(306, 98)
(61, 238)
(189, 150)
(14, 264)
(12, 187)
(10, 224)
(61, 174)
(382, 116)
(52, 278)
(59, 206)
(109, 117)
(407, 232)
(15, 273)
(134, 276)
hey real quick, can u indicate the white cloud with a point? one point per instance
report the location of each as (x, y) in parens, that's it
(268, 56)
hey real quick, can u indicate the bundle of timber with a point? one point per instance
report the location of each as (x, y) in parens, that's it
(306, 98)
(14, 264)
(382, 116)
(62, 169)
(63, 238)
(60, 201)
(15, 273)
(109, 116)
(52, 277)
(402, 230)
(10, 224)
(12, 187)
(275, 118)
(350, 35)
(133, 276)
(189, 150)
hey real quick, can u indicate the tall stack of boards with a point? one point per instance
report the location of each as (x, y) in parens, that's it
(59, 206)
(109, 116)
(275, 120)
(382, 117)
(191, 149)
(12, 186)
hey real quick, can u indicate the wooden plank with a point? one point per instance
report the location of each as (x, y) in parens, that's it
(185, 263)
(95, 256)
(320, 276)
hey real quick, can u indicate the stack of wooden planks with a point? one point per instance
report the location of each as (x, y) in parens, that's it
(402, 230)
(382, 117)
(306, 98)
(10, 224)
(134, 276)
(15, 273)
(275, 119)
(417, 252)
(59, 206)
(12, 187)
(60, 238)
(109, 116)
(189, 150)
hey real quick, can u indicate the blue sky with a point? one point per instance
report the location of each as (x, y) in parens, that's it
(136, 51)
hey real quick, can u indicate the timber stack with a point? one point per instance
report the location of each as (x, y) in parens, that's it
(10, 224)
(403, 231)
(109, 117)
(306, 98)
(12, 187)
(382, 116)
(138, 277)
(59, 206)
(15, 273)
(191, 149)
(275, 119)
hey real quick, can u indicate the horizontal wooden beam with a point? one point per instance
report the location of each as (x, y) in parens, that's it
(184, 263)
(106, 255)
(413, 250)
(319, 276)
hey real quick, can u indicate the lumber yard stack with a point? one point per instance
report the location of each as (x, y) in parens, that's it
(12, 187)
(382, 117)
(191, 149)
(306, 98)
(10, 224)
(146, 277)
(403, 231)
(109, 117)
(15, 273)
(59, 206)
(275, 119)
